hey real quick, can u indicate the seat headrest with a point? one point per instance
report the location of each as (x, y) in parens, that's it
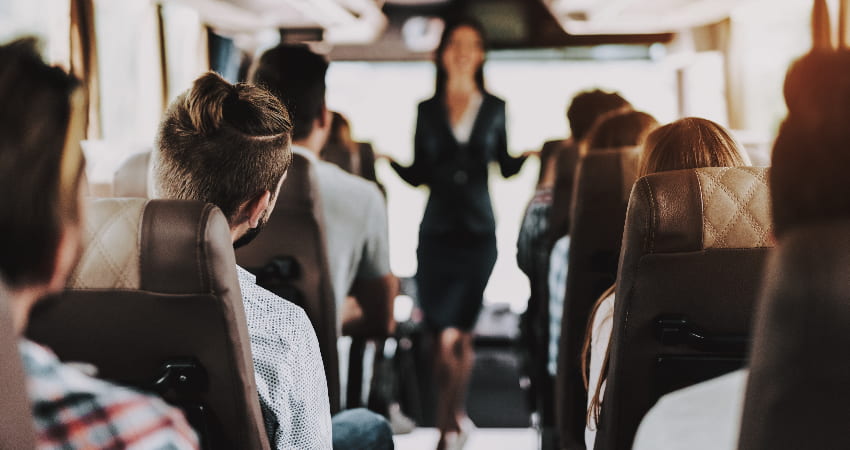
(133, 177)
(619, 163)
(699, 209)
(167, 246)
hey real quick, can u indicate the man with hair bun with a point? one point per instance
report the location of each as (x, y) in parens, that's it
(229, 145)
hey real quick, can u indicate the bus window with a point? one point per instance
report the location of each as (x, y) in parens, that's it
(48, 20)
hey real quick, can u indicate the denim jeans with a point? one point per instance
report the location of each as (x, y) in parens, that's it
(356, 429)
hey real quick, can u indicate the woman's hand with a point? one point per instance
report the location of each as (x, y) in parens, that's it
(380, 156)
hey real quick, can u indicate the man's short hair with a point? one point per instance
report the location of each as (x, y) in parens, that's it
(41, 163)
(223, 144)
(811, 159)
(296, 76)
(588, 106)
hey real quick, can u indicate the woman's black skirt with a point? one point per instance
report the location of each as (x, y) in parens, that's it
(452, 274)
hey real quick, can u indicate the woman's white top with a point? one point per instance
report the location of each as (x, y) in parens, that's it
(463, 128)
(600, 337)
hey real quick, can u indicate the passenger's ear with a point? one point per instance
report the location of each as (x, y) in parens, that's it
(325, 117)
(256, 207)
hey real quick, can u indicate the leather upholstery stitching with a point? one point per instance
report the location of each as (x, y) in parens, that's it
(705, 222)
(742, 214)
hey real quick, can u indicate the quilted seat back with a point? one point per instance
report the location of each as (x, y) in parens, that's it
(157, 283)
(694, 245)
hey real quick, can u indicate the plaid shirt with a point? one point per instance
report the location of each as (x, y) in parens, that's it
(72, 410)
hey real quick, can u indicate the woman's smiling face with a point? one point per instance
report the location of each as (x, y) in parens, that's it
(464, 53)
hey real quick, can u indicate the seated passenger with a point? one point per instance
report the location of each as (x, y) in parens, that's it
(616, 129)
(356, 158)
(558, 160)
(229, 145)
(688, 143)
(355, 216)
(42, 176)
(585, 109)
(808, 184)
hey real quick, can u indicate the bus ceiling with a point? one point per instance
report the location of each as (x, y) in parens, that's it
(409, 29)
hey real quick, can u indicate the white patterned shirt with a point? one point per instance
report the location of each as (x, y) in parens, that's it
(288, 369)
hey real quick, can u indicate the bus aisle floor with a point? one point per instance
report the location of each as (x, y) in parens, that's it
(481, 439)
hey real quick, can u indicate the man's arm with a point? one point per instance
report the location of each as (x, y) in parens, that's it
(369, 310)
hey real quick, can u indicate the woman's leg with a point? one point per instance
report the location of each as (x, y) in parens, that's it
(454, 367)
(447, 370)
(466, 359)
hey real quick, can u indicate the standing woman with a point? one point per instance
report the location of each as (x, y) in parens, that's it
(459, 132)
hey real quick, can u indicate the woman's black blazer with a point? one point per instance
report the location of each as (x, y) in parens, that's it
(457, 174)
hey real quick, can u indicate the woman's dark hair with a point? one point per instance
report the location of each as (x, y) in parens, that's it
(451, 26)
(622, 128)
(41, 163)
(588, 106)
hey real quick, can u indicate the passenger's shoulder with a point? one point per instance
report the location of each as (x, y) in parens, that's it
(260, 298)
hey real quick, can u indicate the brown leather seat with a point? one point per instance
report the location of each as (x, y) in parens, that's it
(566, 163)
(694, 246)
(157, 284)
(798, 392)
(16, 422)
(603, 181)
(131, 178)
(294, 241)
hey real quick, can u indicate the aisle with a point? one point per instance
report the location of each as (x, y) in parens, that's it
(482, 439)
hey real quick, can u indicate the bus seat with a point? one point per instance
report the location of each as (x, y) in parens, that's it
(566, 164)
(16, 422)
(154, 303)
(694, 246)
(131, 178)
(601, 194)
(294, 237)
(797, 393)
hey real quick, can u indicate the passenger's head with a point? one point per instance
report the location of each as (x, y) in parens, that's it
(690, 143)
(42, 121)
(622, 128)
(296, 76)
(340, 133)
(811, 155)
(589, 106)
(225, 144)
(461, 52)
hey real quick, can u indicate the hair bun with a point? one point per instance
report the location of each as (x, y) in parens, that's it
(205, 104)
